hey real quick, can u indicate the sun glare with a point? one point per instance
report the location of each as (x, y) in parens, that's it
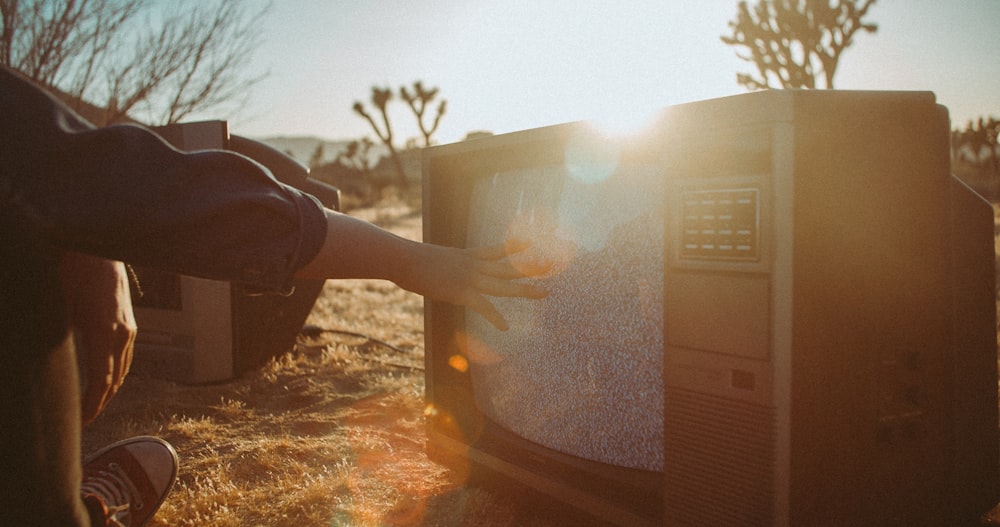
(623, 122)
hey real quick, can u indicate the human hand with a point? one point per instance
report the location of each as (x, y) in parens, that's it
(354, 248)
(100, 312)
(466, 277)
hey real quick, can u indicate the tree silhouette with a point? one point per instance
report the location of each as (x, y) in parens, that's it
(317, 155)
(418, 102)
(380, 100)
(104, 53)
(793, 42)
(357, 156)
(975, 155)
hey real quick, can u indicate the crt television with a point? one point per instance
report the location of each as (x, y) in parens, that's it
(775, 308)
(195, 330)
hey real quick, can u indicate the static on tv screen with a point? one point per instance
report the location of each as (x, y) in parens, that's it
(580, 371)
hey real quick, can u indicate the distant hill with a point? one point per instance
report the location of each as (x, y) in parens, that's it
(302, 147)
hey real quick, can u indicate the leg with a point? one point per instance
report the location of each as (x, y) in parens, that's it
(39, 391)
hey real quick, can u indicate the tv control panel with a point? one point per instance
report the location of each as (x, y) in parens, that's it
(720, 224)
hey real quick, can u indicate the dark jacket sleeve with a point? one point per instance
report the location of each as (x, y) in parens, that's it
(123, 193)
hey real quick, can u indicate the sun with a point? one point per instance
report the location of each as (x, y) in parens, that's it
(626, 121)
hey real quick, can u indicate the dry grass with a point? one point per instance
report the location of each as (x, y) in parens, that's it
(330, 434)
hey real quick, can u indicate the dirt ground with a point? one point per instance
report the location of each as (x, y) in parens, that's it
(329, 434)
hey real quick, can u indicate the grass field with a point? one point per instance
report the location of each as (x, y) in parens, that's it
(330, 434)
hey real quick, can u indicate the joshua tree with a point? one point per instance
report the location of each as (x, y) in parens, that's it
(792, 42)
(418, 102)
(356, 156)
(380, 100)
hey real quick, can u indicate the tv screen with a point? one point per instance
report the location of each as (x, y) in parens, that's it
(603, 234)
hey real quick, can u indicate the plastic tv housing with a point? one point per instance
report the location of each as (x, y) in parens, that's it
(196, 330)
(775, 308)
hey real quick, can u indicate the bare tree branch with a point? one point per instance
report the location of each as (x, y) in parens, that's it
(418, 101)
(380, 100)
(193, 59)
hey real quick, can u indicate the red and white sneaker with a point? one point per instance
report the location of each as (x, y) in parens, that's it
(125, 483)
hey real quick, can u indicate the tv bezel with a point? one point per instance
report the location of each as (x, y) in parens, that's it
(457, 432)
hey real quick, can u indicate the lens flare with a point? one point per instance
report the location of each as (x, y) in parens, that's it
(549, 249)
(458, 363)
(591, 158)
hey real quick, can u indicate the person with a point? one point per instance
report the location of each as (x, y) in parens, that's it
(75, 202)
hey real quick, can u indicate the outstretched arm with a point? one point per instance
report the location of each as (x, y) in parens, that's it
(354, 248)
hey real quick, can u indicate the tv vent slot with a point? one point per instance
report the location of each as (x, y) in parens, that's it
(719, 461)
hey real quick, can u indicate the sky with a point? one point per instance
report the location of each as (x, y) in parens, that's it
(511, 65)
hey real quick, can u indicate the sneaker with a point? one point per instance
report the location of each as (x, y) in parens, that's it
(127, 481)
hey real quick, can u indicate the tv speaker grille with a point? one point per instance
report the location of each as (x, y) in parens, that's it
(719, 461)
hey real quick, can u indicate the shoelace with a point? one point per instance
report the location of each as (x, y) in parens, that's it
(115, 489)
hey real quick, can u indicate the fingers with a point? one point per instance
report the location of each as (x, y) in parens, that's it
(507, 270)
(501, 250)
(98, 388)
(495, 286)
(495, 276)
(100, 309)
(467, 277)
(496, 260)
(105, 372)
(488, 311)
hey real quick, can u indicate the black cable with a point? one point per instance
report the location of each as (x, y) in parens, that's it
(313, 331)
